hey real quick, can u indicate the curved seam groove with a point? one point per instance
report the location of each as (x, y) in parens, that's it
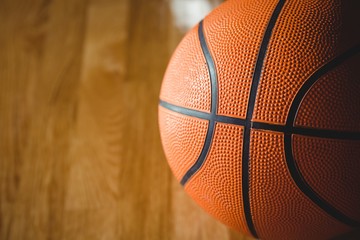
(202, 115)
(250, 109)
(214, 94)
(307, 190)
(295, 105)
(312, 132)
(291, 163)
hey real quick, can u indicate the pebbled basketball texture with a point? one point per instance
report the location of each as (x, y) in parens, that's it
(259, 116)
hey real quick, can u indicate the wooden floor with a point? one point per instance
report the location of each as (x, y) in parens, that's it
(80, 154)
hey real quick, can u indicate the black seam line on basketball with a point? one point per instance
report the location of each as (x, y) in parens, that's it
(316, 76)
(312, 132)
(213, 107)
(202, 115)
(291, 163)
(250, 109)
(307, 190)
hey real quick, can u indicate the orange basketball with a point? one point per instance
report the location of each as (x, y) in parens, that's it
(260, 116)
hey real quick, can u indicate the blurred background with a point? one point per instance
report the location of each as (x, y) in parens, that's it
(80, 153)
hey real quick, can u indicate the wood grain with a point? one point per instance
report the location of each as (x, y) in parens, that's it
(80, 153)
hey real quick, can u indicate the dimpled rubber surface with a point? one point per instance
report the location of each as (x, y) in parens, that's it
(337, 162)
(280, 210)
(291, 61)
(186, 81)
(183, 138)
(275, 199)
(333, 102)
(241, 24)
(221, 171)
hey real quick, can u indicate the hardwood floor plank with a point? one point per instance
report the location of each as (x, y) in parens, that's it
(38, 96)
(145, 180)
(92, 189)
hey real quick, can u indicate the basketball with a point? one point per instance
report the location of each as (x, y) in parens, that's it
(259, 116)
